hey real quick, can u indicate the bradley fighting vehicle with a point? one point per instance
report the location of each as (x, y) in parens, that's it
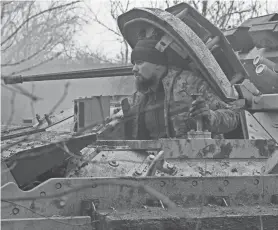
(93, 178)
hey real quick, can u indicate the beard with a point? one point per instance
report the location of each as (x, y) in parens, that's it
(143, 84)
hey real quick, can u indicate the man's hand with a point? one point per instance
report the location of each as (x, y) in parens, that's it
(115, 116)
(199, 107)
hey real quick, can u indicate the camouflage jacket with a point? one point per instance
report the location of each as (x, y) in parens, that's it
(165, 114)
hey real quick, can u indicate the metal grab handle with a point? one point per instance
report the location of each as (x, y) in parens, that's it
(199, 119)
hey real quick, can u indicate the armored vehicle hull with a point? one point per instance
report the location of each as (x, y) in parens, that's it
(93, 178)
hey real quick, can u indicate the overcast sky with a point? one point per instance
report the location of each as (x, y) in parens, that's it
(96, 36)
(99, 38)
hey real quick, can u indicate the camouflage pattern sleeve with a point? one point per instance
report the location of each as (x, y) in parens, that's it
(224, 118)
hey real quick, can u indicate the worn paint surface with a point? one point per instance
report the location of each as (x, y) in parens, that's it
(112, 192)
(38, 160)
(6, 175)
(186, 219)
(189, 157)
(102, 166)
(128, 162)
(53, 223)
(16, 145)
(254, 129)
(206, 148)
(270, 122)
(271, 165)
(249, 198)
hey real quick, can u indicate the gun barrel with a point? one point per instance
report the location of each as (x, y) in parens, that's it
(93, 73)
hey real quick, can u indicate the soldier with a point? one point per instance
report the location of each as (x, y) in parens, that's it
(163, 106)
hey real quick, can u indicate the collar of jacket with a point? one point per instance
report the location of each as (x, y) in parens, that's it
(167, 82)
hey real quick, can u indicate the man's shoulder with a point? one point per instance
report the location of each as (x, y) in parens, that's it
(189, 78)
(185, 74)
(188, 82)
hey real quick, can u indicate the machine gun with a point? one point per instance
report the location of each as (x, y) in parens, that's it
(171, 183)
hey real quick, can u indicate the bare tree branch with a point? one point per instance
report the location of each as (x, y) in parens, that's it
(12, 108)
(167, 3)
(204, 8)
(40, 63)
(36, 15)
(195, 3)
(22, 92)
(61, 99)
(101, 23)
(266, 7)
(30, 57)
(225, 17)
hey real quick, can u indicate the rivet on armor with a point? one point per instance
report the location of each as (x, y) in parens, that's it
(226, 182)
(162, 183)
(62, 203)
(194, 183)
(42, 194)
(170, 166)
(15, 211)
(114, 163)
(137, 173)
(58, 185)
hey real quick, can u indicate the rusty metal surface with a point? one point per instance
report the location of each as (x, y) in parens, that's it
(52, 223)
(270, 122)
(6, 175)
(183, 148)
(265, 102)
(33, 142)
(57, 120)
(253, 128)
(11, 131)
(16, 145)
(106, 164)
(132, 163)
(214, 31)
(217, 183)
(61, 123)
(112, 192)
(271, 165)
(198, 168)
(37, 160)
(21, 134)
(186, 219)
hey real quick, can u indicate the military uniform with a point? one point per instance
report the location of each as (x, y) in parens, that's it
(165, 113)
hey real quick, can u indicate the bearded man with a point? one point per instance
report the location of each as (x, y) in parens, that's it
(163, 106)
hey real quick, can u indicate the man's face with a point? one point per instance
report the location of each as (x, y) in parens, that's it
(145, 74)
(144, 71)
